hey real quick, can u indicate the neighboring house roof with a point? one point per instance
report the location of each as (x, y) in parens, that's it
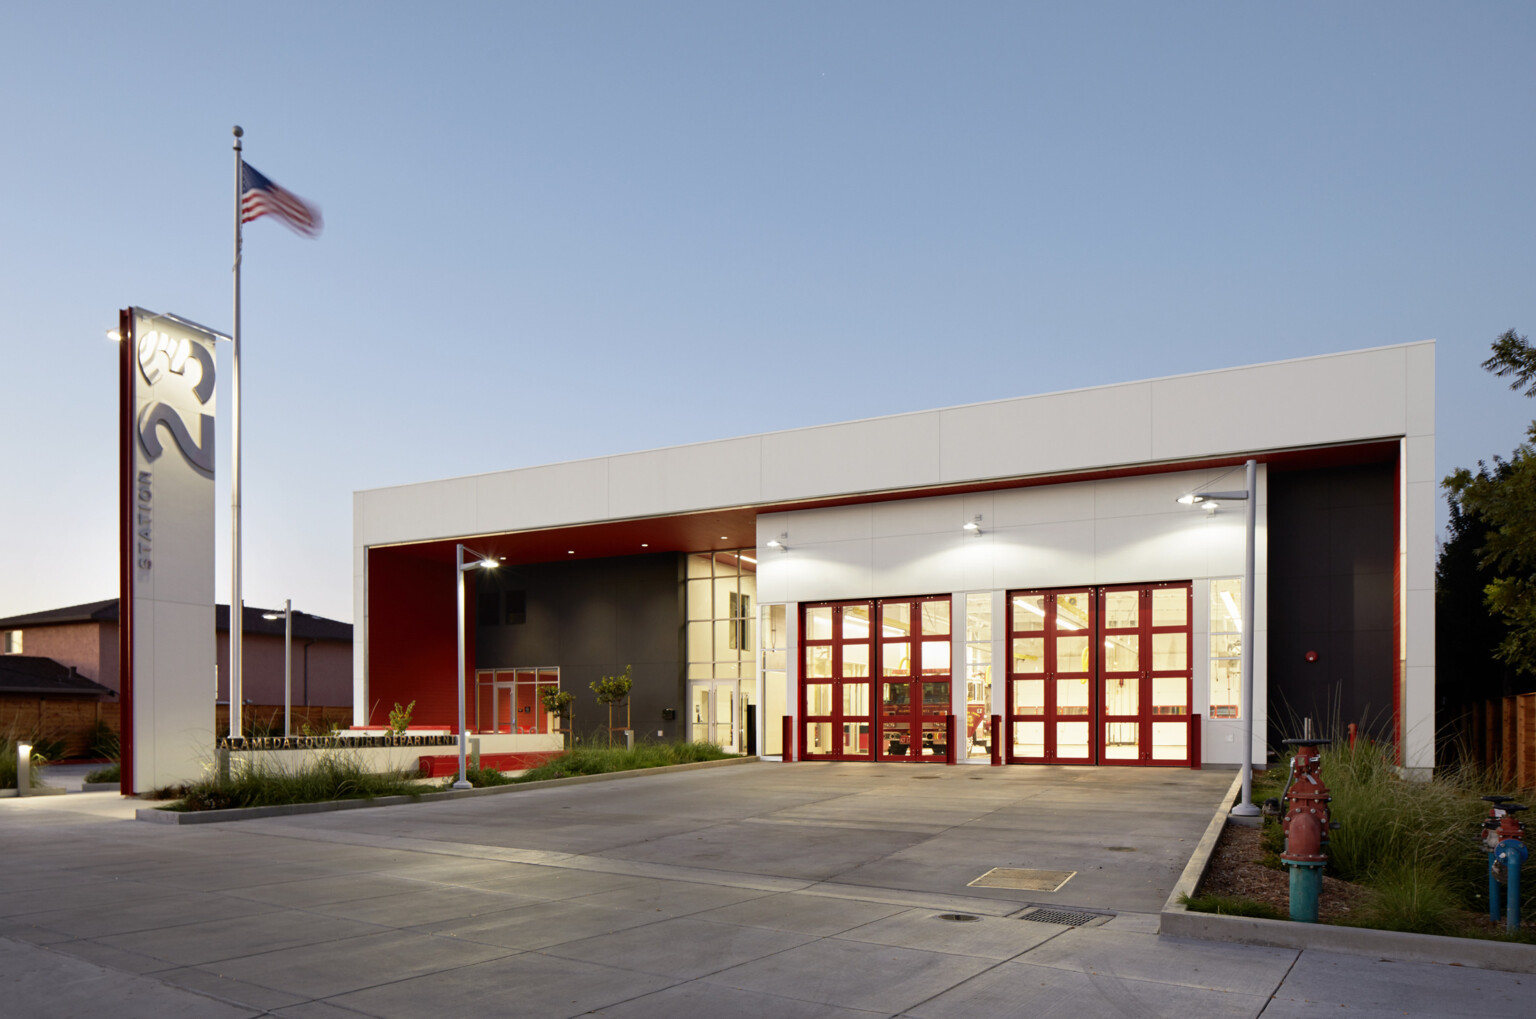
(33, 674)
(305, 625)
(90, 612)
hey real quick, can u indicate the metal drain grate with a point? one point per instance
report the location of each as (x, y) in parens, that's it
(1065, 917)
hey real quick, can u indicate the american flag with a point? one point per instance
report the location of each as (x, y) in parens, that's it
(259, 196)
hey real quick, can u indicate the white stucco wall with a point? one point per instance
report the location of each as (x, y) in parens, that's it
(1119, 531)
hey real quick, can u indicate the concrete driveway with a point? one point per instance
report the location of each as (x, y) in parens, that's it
(757, 890)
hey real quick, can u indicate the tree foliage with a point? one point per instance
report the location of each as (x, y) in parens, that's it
(1502, 499)
(1512, 355)
(612, 689)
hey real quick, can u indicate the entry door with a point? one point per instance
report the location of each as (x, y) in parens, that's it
(835, 688)
(1146, 675)
(712, 713)
(1052, 661)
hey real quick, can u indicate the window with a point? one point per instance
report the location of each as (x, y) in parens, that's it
(740, 608)
(517, 607)
(978, 674)
(1227, 648)
(775, 677)
(489, 613)
(720, 590)
(13, 642)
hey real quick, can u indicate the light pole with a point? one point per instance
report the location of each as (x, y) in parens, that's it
(287, 616)
(1250, 496)
(480, 562)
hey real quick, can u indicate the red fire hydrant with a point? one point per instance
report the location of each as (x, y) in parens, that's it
(1306, 824)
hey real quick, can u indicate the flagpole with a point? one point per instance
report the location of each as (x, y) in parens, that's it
(236, 603)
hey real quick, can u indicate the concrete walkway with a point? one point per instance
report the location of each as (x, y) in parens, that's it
(762, 890)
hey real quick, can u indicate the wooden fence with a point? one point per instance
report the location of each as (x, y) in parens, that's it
(1500, 735)
(72, 719)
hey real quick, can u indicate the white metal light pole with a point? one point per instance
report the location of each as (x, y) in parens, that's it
(1250, 496)
(482, 562)
(287, 618)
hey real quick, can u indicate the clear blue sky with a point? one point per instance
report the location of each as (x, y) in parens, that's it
(557, 230)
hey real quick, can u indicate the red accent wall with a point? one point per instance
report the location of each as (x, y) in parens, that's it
(412, 644)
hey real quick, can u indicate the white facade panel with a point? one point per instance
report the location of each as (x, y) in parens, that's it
(1045, 434)
(1043, 555)
(725, 473)
(1421, 389)
(836, 523)
(1419, 459)
(540, 497)
(1043, 505)
(939, 515)
(1131, 550)
(1291, 403)
(917, 564)
(434, 509)
(1419, 538)
(1419, 720)
(860, 456)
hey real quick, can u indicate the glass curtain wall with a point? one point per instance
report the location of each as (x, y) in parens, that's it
(978, 675)
(1227, 648)
(775, 641)
(721, 596)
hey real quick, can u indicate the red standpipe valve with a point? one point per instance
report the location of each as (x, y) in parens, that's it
(1307, 823)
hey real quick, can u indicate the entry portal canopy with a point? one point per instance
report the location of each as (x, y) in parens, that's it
(1383, 393)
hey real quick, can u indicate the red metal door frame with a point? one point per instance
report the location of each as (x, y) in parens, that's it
(1032, 616)
(1027, 622)
(912, 724)
(840, 684)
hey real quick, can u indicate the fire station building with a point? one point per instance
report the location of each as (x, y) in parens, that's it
(1016, 580)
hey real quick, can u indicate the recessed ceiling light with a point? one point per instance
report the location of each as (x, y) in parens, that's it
(725, 537)
(570, 551)
(645, 544)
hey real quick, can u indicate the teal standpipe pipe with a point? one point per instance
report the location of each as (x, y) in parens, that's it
(1504, 835)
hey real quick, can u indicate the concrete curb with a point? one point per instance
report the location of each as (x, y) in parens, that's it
(159, 816)
(1178, 921)
(37, 790)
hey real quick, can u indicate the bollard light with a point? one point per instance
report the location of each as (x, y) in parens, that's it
(23, 769)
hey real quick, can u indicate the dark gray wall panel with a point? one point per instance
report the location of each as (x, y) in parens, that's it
(1332, 540)
(592, 617)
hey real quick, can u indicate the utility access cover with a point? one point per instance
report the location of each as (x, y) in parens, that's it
(1026, 880)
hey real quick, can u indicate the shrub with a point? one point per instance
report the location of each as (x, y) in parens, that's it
(1232, 905)
(1388, 822)
(1410, 896)
(590, 760)
(104, 742)
(400, 718)
(479, 777)
(266, 781)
